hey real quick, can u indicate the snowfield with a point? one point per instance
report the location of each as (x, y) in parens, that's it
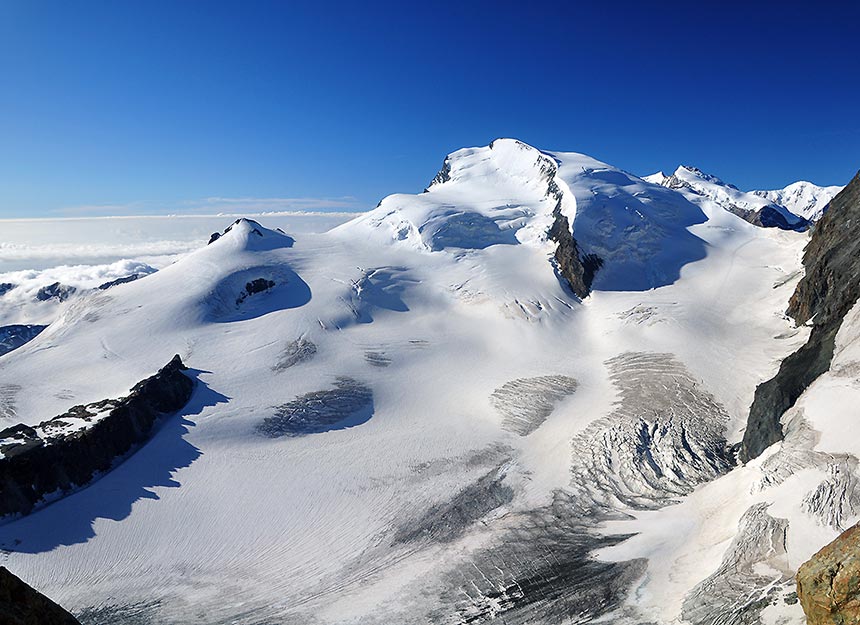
(410, 418)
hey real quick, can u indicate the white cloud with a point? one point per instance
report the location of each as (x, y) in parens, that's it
(216, 204)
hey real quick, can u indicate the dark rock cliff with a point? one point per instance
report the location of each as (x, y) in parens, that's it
(68, 451)
(21, 604)
(576, 268)
(828, 290)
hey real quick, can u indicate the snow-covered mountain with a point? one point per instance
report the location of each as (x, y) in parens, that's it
(516, 397)
(793, 207)
(802, 198)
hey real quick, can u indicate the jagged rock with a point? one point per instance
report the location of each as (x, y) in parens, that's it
(577, 269)
(828, 290)
(56, 291)
(68, 451)
(118, 281)
(254, 226)
(5, 287)
(14, 336)
(20, 604)
(214, 237)
(443, 175)
(828, 584)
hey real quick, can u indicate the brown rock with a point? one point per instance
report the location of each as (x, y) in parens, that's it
(828, 585)
(22, 605)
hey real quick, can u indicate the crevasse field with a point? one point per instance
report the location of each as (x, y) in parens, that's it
(419, 422)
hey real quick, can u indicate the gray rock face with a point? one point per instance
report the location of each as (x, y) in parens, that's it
(526, 403)
(828, 290)
(20, 604)
(68, 451)
(14, 336)
(348, 404)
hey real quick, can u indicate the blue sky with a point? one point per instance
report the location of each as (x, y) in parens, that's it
(139, 107)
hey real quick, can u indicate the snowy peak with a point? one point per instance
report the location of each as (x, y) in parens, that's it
(802, 198)
(504, 193)
(247, 234)
(748, 206)
(656, 178)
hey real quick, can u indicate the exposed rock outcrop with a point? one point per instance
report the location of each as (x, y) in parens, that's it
(258, 285)
(56, 291)
(5, 287)
(828, 290)
(576, 268)
(118, 281)
(20, 604)
(828, 585)
(67, 452)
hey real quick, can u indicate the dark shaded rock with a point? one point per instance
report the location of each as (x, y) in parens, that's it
(118, 281)
(14, 336)
(21, 604)
(259, 285)
(5, 287)
(828, 290)
(254, 226)
(57, 291)
(828, 584)
(574, 267)
(214, 237)
(70, 450)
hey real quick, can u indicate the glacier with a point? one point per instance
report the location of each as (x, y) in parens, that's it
(428, 414)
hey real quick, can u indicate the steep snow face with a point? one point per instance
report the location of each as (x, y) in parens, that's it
(638, 229)
(504, 193)
(656, 178)
(749, 206)
(427, 428)
(802, 198)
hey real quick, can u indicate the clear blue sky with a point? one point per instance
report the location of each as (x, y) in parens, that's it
(149, 106)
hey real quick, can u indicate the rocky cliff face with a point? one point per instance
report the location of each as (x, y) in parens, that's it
(828, 585)
(826, 293)
(68, 451)
(574, 267)
(22, 605)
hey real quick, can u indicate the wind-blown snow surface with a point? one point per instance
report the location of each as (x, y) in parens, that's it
(416, 421)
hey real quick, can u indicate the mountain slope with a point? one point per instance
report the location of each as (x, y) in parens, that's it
(802, 198)
(413, 418)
